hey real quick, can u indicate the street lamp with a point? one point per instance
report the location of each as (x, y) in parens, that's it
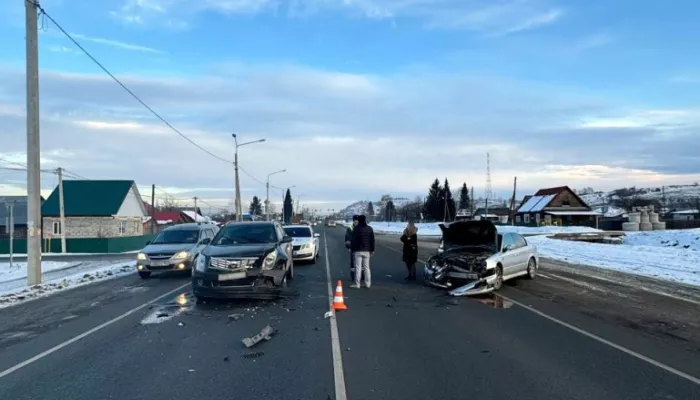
(267, 197)
(299, 201)
(238, 205)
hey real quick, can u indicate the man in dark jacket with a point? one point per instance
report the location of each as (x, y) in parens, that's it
(348, 241)
(362, 247)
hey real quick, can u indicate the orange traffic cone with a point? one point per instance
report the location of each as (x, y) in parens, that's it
(338, 302)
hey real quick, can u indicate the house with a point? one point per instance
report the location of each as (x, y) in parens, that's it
(19, 215)
(556, 206)
(163, 219)
(685, 215)
(495, 214)
(95, 209)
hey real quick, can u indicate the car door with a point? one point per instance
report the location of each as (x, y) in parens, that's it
(287, 247)
(508, 255)
(203, 234)
(520, 253)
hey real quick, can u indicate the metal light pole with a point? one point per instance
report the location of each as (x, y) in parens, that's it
(238, 206)
(299, 201)
(267, 196)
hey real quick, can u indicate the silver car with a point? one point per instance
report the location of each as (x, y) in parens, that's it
(474, 258)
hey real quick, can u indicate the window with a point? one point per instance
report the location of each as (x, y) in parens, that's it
(177, 236)
(519, 240)
(298, 231)
(507, 240)
(527, 218)
(241, 234)
(57, 228)
(122, 226)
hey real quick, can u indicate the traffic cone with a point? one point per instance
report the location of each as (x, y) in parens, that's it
(338, 301)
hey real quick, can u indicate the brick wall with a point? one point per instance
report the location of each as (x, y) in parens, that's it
(94, 227)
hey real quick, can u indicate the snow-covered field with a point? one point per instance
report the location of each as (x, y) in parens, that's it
(432, 229)
(684, 239)
(57, 276)
(640, 255)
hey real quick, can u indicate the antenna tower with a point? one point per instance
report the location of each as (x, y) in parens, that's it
(488, 193)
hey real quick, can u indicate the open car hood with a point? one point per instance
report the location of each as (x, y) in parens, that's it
(469, 233)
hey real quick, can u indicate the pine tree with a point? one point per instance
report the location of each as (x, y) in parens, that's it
(464, 197)
(255, 206)
(288, 207)
(448, 212)
(389, 211)
(370, 210)
(431, 207)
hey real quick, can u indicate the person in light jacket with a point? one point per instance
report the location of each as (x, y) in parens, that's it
(410, 249)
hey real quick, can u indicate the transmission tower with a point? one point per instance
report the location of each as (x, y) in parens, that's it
(488, 193)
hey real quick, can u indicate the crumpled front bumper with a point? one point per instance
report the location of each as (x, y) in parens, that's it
(476, 287)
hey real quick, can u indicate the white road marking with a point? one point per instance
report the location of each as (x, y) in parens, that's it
(597, 338)
(338, 373)
(87, 333)
(541, 275)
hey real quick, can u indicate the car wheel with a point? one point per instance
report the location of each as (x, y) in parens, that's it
(499, 278)
(313, 260)
(144, 274)
(531, 268)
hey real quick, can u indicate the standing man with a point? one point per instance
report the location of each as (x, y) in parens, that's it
(348, 242)
(362, 247)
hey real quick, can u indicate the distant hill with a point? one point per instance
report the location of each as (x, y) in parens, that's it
(674, 196)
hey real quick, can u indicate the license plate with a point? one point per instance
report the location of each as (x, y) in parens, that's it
(160, 263)
(232, 277)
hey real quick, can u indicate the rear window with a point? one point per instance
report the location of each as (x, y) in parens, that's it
(298, 232)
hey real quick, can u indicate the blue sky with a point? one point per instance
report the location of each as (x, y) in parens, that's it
(585, 93)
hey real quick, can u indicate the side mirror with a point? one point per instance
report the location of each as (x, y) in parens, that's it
(287, 239)
(317, 235)
(508, 248)
(205, 241)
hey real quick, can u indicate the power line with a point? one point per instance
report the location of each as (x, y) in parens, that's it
(137, 98)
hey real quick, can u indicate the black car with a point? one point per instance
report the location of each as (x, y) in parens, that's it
(174, 248)
(244, 260)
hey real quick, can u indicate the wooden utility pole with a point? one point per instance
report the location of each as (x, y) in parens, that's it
(33, 146)
(195, 209)
(61, 208)
(10, 229)
(153, 209)
(512, 202)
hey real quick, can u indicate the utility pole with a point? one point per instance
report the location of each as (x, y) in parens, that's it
(267, 196)
(238, 205)
(153, 209)
(33, 147)
(61, 209)
(512, 202)
(10, 229)
(195, 208)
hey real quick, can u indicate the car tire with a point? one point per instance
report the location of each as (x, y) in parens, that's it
(499, 278)
(145, 274)
(531, 268)
(313, 260)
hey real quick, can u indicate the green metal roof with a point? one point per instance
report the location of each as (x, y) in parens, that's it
(88, 198)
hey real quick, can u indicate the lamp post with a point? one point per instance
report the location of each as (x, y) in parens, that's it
(267, 196)
(299, 201)
(238, 205)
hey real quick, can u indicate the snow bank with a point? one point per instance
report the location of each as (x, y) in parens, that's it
(432, 229)
(12, 293)
(686, 239)
(18, 270)
(674, 264)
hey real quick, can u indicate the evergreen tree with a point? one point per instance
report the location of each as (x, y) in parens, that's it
(255, 206)
(431, 207)
(370, 210)
(288, 207)
(448, 212)
(389, 211)
(464, 197)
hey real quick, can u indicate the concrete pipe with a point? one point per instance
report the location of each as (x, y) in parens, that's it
(653, 217)
(644, 218)
(630, 226)
(646, 226)
(634, 217)
(659, 226)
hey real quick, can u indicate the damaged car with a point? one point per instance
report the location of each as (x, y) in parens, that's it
(244, 260)
(474, 258)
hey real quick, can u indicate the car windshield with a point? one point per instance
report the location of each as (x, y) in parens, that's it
(297, 231)
(245, 233)
(174, 236)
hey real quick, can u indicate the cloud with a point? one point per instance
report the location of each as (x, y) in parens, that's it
(116, 43)
(485, 16)
(343, 135)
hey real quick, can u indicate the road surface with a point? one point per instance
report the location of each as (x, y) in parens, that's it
(397, 341)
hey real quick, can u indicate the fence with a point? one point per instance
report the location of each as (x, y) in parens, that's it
(82, 245)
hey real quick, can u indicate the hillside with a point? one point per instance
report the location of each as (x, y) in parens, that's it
(676, 195)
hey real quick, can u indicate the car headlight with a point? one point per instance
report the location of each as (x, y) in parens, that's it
(270, 260)
(142, 256)
(201, 263)
(305, 246)
(182, 254)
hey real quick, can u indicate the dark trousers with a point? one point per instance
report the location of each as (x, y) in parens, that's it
(411, 266)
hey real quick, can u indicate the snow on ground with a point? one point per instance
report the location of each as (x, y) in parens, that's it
(24, 255)
(432, 228)
(18, 270)
(680, 239)
(16, 291)
(674, 264)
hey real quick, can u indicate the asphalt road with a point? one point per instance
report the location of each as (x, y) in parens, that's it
(398, 341)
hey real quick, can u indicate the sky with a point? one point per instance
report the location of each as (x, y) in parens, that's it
(358, 98)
